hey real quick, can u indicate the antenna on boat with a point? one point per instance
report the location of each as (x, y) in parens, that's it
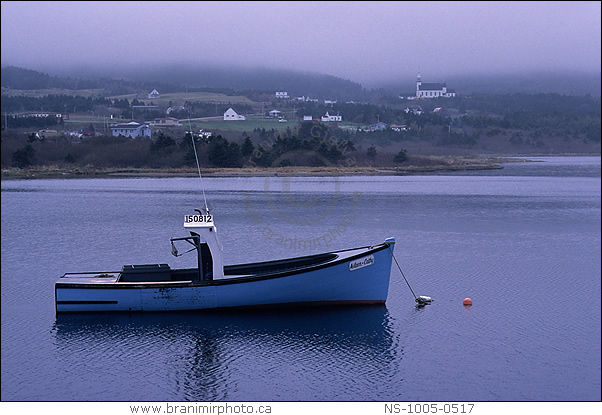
(196, 157)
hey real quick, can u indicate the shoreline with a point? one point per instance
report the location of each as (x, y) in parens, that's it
(419, 165)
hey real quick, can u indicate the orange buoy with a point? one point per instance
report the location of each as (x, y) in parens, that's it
(467, 301)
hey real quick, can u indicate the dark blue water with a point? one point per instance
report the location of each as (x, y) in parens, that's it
(523, 243)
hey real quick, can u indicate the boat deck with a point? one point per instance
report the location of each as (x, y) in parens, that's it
(89, 278)
(105, 278)
(231, 272)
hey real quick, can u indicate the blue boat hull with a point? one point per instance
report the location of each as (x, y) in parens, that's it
(359, 276)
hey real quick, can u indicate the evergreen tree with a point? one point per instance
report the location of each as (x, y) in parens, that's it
(223, 153)
(162, 144)
(247, 147)
(24, 157)
(371, 152)
(401, 157)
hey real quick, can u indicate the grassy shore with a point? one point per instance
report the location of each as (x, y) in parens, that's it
(422, 165)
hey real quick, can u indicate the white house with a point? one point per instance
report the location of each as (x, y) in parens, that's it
(433, 90)
(307, 118)
(329, 118)
(131, 129)
(231, 115)
(275, 114)
(282, 95)
(153, 94)
(399, 127)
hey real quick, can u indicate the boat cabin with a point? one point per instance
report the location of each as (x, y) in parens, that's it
(203, 237)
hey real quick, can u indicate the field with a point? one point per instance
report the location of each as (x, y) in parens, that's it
(77, 121)
(179, 98)
(36, 93)
(250, 124)
(102, 123)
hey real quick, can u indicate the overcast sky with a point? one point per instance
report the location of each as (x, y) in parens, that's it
(360, 41)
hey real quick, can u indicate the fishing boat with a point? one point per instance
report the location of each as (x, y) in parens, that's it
(352, 276)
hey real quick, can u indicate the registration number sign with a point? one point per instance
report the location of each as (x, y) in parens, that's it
(196, 220)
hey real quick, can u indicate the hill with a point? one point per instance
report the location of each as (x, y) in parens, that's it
(187, 79)
(231, 81)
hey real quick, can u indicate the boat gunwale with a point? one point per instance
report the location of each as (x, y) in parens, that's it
(225, 281)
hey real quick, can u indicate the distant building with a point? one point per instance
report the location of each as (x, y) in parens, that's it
(47, 133)
(131, 129)
(165, 122)
(41, 115)
(380, 126)
(275, 114)
(416, 110)
(282, 95)
(433, 90)
(331, 118)
(205, 134)
(153, 94)
(399, 127)
(176, 108)
(307, 118)
(231, 115)
(307, 99)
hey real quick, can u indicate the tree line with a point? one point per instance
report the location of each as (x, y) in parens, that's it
(313, 145)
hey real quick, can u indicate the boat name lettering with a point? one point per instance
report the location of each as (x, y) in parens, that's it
(198, 218)
(361, 263)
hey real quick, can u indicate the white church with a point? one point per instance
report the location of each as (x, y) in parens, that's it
(433, 90)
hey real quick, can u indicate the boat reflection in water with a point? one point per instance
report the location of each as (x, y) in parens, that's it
(235, 355)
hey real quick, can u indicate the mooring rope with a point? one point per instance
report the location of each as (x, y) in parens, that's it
(402, 274)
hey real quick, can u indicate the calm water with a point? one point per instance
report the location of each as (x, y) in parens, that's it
(522, 242)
